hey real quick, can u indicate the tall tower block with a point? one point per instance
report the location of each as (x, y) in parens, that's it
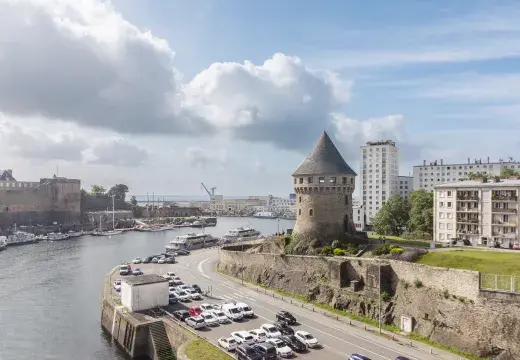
(324, 184)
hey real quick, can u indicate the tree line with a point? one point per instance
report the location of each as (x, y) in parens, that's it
(410, 216)
(119, 192)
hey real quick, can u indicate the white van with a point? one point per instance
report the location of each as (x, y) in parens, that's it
(245, 309)
(232, 312)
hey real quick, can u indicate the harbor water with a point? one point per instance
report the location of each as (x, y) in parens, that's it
(50, 291)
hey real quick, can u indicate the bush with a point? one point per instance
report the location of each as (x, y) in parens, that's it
(417, 235)
(287, 240)
(326, 250)
(339, 252)
(385, 296)
(336, 244)
(418, 283)
(396, 251)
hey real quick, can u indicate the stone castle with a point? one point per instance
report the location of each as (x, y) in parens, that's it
(324, 184)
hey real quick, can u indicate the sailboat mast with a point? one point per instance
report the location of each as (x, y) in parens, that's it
(113, 215)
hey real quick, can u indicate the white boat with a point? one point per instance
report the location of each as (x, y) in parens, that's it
(191, 241)
(109, 232)
(3, 243)
(265, 215)
(112, 232)
(74, 234)
(242, 233)
(57, 236)
(21, 238)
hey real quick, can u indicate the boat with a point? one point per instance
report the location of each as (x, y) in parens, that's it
(57, 236)
(21, 238)
(191, 241)
(265, 215)
(3, 243)
(112, 232)
(197, 224)
(242, 233)
(108, 232)
(75, 234)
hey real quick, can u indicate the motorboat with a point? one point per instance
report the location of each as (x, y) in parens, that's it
(265, 215)
(21, 238)
(57, 236)
(242, 233)
(191, 241)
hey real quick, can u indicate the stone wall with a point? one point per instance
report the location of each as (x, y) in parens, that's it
(102, 203)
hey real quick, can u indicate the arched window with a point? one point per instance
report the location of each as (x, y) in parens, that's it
(311, 212)
(346, 199)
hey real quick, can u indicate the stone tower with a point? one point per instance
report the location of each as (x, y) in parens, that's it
(324, 184)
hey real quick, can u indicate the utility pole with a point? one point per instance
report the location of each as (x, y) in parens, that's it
(379, 270)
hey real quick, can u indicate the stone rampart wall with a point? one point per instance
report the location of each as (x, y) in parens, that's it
(463, 283)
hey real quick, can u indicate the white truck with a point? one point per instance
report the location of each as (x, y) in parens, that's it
(232, 312)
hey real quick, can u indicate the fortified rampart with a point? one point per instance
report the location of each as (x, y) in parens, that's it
(446, 305)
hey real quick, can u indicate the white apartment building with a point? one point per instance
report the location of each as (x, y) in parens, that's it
(405, 185)
(481, 212)
(426, 176)
(219, 204)
(379, 175)
(358, 212)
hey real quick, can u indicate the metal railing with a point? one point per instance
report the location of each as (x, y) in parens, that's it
(495, 282)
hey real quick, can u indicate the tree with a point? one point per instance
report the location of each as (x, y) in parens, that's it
(508, 172)
(97, 190)
(393, 216)
(421, 211)
(83, 193)
(119, 191)
(133, 201)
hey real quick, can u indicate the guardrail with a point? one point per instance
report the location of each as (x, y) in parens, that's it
(496, 282)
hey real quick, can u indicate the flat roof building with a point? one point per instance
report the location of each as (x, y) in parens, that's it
(144, 292)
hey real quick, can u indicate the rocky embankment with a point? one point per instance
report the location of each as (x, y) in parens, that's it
(487, 328)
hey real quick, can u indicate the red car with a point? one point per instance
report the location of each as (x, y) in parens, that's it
(195, 310)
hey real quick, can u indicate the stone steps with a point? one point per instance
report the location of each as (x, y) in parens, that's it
(161, 343)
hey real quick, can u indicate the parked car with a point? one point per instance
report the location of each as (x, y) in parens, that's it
(259, 335)
(124, 269)
(209, 318)
(172, 299)
(170, 260)
(206, 307)
(271, 330)
(195, 310)
(177, 280)
(196, 288)
(117, 285)
(181, 315)
(137, 260)
(402, 358)
(358, 357)
(221, 317)
(286, 316)
(245, 309)
(281, 348)
(246, 352)
(183, 252)
(181, 295)
(147, 260)
(294, 343)
(182, 287)
(307, 339)
(196, 322)
(267, 351)
(229, 343)
(155, 260)
(243, 337)
(170, 274)
(193, 294)
(137, 271)
(283, 328)
(161, 261)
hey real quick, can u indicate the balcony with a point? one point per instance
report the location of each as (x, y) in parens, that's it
(504, 223)
(467, 232)
(504, 235)
(467, 198)
(500, 197)
(504, 210)
(465, 209)
(467, 221)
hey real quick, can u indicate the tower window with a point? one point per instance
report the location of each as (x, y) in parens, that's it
(332, 180)
(311, 212)
(299, 211)
(309, 180)
(346, 199)
(321, 180)
(295, 181)
(352, 180)
(299, 199)
(301, 180)
(344, 180)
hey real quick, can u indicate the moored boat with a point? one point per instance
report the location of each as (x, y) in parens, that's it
(3, 243)
(242, 233)
(21, 238)
(191, 241)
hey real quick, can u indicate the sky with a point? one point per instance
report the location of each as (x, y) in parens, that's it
(163, 95)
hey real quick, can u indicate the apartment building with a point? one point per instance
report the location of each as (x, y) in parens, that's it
(405, 185)
(379, 175)
(481, 212)
(426, 176)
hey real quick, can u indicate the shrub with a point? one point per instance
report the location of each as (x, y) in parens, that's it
(417, 235)
(339, 252)
(385, 296)
(351, 249)
(406, 284)
(446, 294)
(418, 283)
(326, 250)
(336, 244)
(287, 240)
(396, 251)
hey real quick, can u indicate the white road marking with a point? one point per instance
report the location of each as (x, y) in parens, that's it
(199, 267)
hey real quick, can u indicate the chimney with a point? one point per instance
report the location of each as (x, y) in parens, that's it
(469, 161)
(424, 162)
(441, 161)
(488, 159)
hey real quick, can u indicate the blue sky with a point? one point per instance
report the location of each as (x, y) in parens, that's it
(442, 78)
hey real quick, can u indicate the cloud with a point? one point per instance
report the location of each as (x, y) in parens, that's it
(259, 167)
(116, 152)
(352, 134)
(204, 158)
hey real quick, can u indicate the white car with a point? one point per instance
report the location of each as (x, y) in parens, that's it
(209, 318)
(183, 287)
(207, 307)
(172, 289)
(246, 309)
(161, 261)
(181, 295)
(307, 338)
(196, 322)
(137, 260)
(259, 335)
(170, 274)
(177, 280)
(232, 312)
(117, 285)
(281, 348)
(219, 314)
(193, 294)
(271, 331)
(243, 337)
(229, 343)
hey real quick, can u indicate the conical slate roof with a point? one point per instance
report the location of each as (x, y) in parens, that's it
(324, 159)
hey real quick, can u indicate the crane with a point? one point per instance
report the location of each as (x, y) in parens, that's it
(210, 193)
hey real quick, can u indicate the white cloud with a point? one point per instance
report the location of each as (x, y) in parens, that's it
(203, 158)
(259, 167)
(116, 152)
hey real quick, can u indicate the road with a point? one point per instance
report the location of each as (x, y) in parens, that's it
(338, 339)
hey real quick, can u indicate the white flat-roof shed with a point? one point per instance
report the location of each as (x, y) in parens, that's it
(144, 292)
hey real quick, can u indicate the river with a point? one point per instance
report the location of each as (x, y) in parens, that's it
(50, 291)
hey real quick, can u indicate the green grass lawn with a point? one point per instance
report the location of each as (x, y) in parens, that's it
(202, 350)
(400, 241)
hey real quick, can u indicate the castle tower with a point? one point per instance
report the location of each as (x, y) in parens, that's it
(324, 184)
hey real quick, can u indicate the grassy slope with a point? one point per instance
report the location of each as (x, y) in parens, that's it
(488, 262)
(400, 241)
(202, 350)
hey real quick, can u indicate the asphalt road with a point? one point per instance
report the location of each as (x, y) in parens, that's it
(338, 339)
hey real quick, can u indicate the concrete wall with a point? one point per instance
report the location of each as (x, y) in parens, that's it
(94, 203)
(340, 271)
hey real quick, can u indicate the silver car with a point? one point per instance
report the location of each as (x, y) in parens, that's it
(196, 322)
